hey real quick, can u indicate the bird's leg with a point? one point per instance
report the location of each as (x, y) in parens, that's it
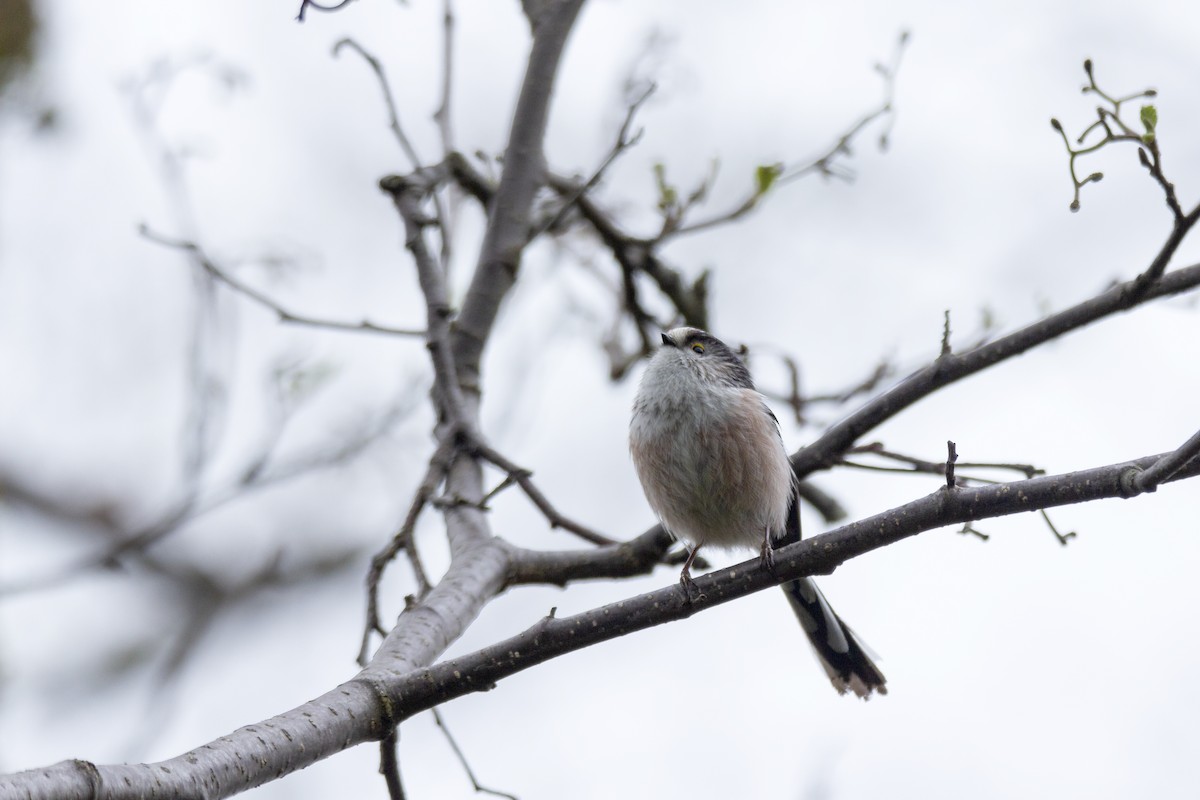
(685, 576)
(768, 551)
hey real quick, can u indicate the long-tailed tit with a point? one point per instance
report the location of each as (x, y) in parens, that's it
(711, 460)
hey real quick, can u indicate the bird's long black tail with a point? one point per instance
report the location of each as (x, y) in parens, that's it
(841, 653)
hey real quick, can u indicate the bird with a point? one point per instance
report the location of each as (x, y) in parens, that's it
(709, 454)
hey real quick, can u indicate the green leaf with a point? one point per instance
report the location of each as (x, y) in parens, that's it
(1149, 119)
(765, 175)
(668, 197)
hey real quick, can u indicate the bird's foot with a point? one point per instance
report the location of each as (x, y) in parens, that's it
(767, 559)
(691, 592)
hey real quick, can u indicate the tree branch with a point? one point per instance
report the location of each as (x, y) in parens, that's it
(209, 266)
(948, 369)
(1168, 465)
(524, 166)
(638, 556)
(397, 685)
(307, 4)
(523, 478)
(407, 193)
(388, 102)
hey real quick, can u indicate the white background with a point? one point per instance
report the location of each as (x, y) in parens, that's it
(1016, 667)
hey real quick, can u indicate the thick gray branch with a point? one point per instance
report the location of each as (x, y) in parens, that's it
(509, 212)
(397, 685)
(820, 555)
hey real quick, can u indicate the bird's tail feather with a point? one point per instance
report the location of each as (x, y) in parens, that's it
(843, 655)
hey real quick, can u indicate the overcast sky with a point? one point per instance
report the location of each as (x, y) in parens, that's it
(1016, 667)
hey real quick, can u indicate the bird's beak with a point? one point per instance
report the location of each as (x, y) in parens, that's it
(668, 341)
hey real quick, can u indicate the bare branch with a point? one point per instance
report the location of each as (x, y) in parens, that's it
(123, 541)
(443, 114)
(195, 252)
(948, 369)
(969, 529)
(951, 457)
(795, 398)
(397, 131)
(393, 116)
(389, 764)
(827, 164)
(207, 397)
(395, 687)
(407, 193)
(1063, 538)
(915, 465)
(462, 759)
(442, 117)
(478, 562)
(470, 180)
(404, 540)
(1168, 465)
(822, 502)
(638, 556)
(523, 478)
(624, 142)
(307, 4)
(524, 169)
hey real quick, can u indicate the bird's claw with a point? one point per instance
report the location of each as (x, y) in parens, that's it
(767, 559)
(691, 592)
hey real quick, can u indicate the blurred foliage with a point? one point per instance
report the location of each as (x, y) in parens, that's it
(18, 37)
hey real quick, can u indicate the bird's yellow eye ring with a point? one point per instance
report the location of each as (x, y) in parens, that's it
(697, 348)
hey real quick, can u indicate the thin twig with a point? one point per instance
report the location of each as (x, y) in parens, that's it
(522, 477)
(183, 511)
(827, 164)
(389, 764)
(307, 4)
(624, 142)
(1063, 538)
(406, 193)
(839, 438)
(442, 116)
(1116, 129)
(822, 502)
(404, 540)
(882, 371)
(925, 466)
(195, 252)
(795, 398)
(951, 457)
(397, 131)
(967, 528)
(462, 759)
(208, 400)
(388, 101)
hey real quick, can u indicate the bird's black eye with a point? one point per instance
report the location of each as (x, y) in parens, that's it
(698, 348)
